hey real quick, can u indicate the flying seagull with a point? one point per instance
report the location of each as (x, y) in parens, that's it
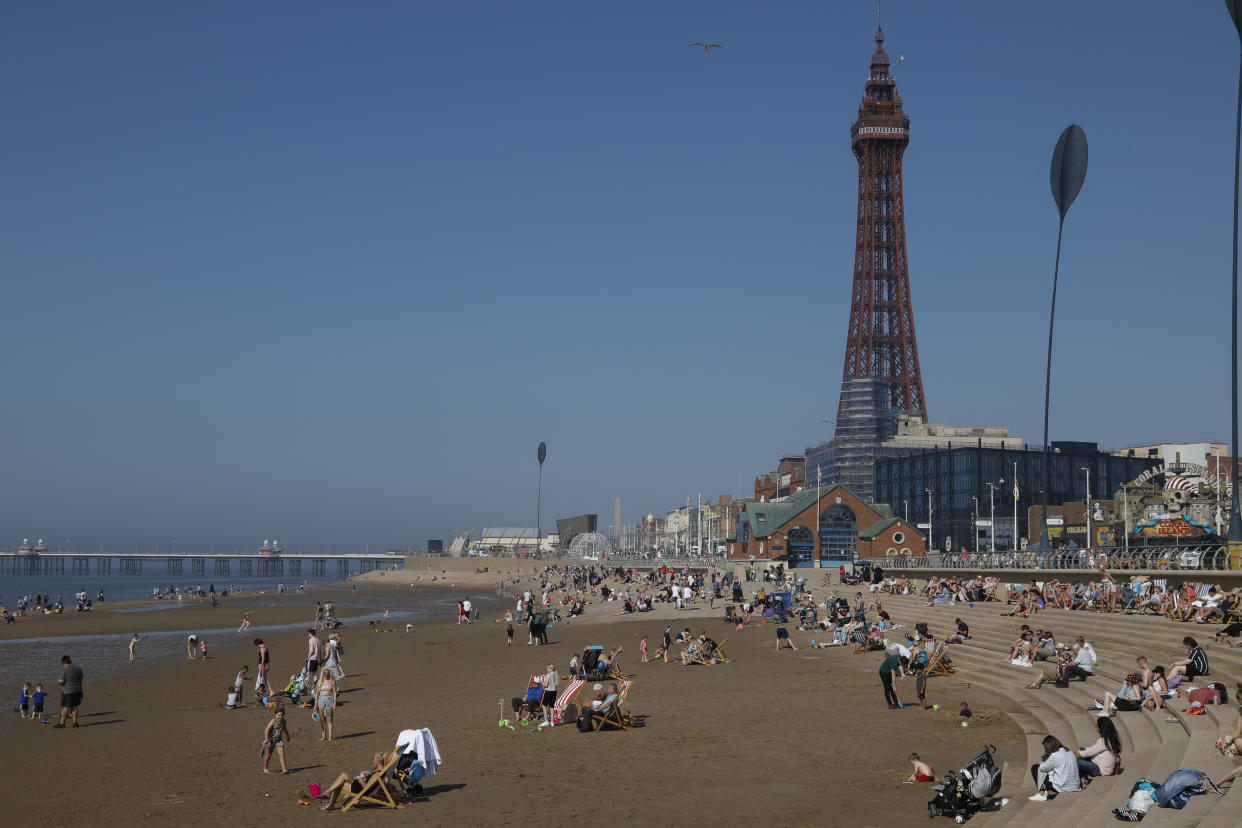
(901, 58)
(707, 46)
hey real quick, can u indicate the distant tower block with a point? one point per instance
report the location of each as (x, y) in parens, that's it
(616, 518)
(881, 341)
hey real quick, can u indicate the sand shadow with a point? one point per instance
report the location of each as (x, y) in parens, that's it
(353, 735)
(350, 690)
(89, 715)
(97, 724)
(300, 769)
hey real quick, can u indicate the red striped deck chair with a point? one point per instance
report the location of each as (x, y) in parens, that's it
(562, 701)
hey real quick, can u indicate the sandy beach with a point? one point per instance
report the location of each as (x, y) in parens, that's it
(793, 738)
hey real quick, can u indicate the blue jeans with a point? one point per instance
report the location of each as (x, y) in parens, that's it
(1088, 768)
(1177, 782)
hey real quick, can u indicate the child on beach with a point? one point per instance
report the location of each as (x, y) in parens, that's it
(922, 771)
(642, 648)
(234, 699)
(965, 714)
(920, 684)
(240, 681)
(245, 624)
(36, 699)
(23, 701)
(573, 668)
(274, 737)
(133, 646)
(509, 635)
(202, 648)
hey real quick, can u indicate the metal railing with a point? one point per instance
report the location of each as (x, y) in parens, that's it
(1214, 558)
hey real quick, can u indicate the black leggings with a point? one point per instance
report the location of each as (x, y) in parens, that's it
(890, 695)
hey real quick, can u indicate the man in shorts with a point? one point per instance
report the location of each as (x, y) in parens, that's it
(70, 682)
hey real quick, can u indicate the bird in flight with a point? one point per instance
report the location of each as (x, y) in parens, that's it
(901, 58)
(707, 46)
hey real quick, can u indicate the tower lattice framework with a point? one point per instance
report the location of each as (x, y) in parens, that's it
(881, 341)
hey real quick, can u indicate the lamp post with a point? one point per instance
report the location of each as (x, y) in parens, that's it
(992, 510)
(543, 455)
(1087, 469)
(906, 506)
(1125, 513)
(976, 500)
(1235, 518)
(930, 536)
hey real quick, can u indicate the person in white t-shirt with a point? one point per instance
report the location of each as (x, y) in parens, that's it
(467, 608)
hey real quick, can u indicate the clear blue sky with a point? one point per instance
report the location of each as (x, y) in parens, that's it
(329, 272)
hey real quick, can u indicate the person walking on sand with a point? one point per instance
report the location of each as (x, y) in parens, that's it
(133, 646)
(245, 624)
(70, 682)
(325, 703)
(265, 662)
(274, 737)
(314, 649)
(467, 609)
(318, 614)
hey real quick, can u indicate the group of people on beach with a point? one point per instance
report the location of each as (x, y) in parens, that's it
(31, 697)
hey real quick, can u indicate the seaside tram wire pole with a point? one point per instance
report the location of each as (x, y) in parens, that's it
(1068, 172)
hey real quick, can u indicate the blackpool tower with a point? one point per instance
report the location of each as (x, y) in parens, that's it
(882, 377)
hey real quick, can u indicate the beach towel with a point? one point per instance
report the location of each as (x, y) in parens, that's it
(424, 744)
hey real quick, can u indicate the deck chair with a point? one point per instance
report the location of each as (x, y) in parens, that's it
(614, 713)
(936, 665)
(614, 666)
(564, 699)
(721, 658)
(375, 789)
(989, 592)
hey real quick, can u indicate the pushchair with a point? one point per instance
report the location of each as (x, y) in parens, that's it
(296, 685)
(962, 794)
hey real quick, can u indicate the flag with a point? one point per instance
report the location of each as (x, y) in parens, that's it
(1015, 488)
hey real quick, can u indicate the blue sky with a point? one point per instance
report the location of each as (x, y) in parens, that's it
(329, 272)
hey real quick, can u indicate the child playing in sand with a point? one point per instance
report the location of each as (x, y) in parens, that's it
(234, 700)
(202, 648)
(36, 701)
(922, 771)
(23, 701)
(274, 737)
(965, 713)
(642, 648)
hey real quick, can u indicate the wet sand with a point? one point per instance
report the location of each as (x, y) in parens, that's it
(792, 738)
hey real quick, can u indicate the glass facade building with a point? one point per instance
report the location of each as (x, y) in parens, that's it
(947, 480)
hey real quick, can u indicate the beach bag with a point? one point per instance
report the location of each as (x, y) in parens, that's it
(1220, 688)
(1142, 800)
(584, 720)
(1205, 696)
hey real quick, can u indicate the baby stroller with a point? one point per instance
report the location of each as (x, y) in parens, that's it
(296, 685)
(962, 794)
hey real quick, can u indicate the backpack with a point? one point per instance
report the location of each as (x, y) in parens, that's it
(584, 720)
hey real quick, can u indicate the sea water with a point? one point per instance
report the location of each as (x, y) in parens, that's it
(137, 587)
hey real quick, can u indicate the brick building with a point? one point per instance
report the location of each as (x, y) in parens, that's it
(836, 528)
(788, 479)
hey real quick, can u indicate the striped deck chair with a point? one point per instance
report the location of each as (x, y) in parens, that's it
(614, 666)
(614, 713)
(375, 789)
(562, 701)
(936, 665)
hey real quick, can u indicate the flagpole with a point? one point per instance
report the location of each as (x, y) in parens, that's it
(1015, 506)
(819, 480)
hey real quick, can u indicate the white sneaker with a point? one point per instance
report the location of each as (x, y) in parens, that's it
(1039, 797)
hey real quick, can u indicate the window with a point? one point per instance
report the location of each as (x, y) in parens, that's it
(899, 537)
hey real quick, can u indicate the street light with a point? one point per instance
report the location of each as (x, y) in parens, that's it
(992, 510)
(1087, 469)
(976, 500)
(1068, 172)
(906, 506)
(930, 536)
(543, 455)
(1235, 518)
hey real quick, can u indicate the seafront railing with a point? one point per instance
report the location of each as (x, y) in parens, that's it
(1215, 558)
